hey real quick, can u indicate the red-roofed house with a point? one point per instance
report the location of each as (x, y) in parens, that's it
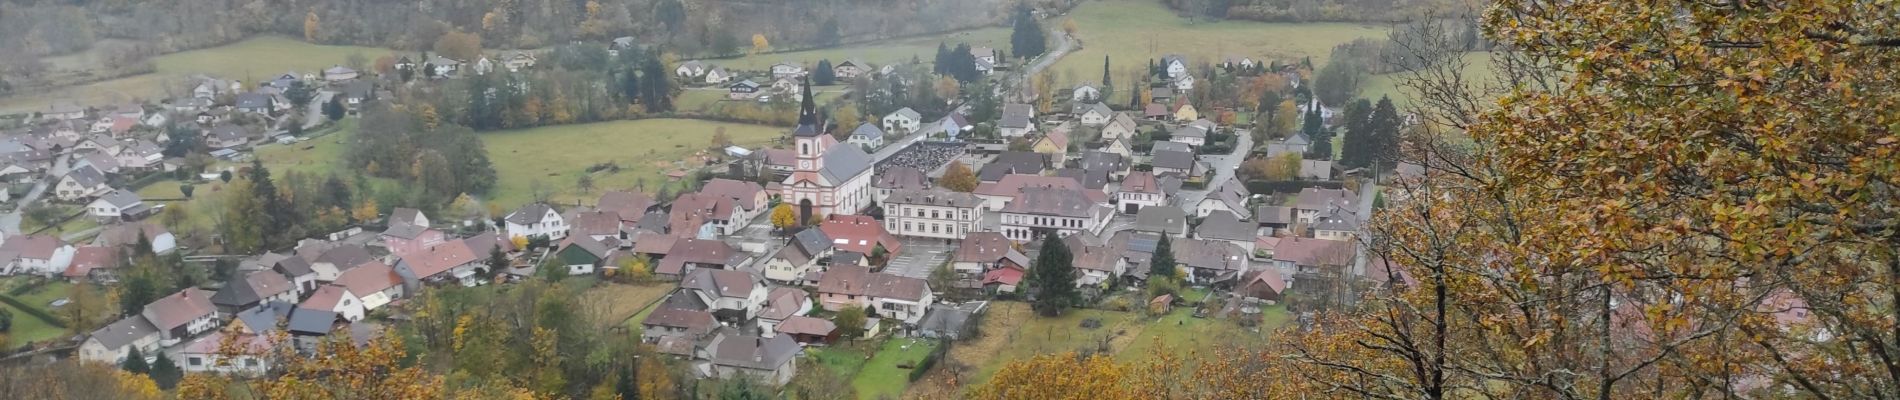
(859, 234)
(35, 254)
(375, 283)
(1001, 193)
(204, 356)
(690, 254)
(94, 263)
(337, 299)
(809, 330)
(449, 260)
(181, 315)
(884, 295)
(703, 216)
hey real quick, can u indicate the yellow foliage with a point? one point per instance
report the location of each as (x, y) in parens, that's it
(759, 44)
(784, 217)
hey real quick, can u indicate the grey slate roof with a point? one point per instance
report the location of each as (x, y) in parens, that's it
(405, 231)
(1090, 178)
(124, 332)
(1173, 159)
(265, 317)
(1224, 225)
(1190, 131)
(294, 266)
(1053, 201)
(939, 198)
(901, 177)
(1273, 215)
(311, 322)
(867, 130)
(906, 112)
(844, 161)
(122, 198)
(529, 213)
(1012, 162)
(1171, 146)
(87, 176)
(1102, 160)
(1164, 219)
(253, 100)
(730, 348)
(812, 241)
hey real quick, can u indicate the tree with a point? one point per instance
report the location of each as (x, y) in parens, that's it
(497, 262)
(943, 278)
(958, 177)
(759, 44)
(333, 109)
(1315, 129)
(1108, 82)
(725, 44)
(1053, 278)
(1338, 82)
(71, 378)
(783, 217)
(225, 176)
(1026, 38)
(850, 321)
(1162, 262)
(166, 373)
(135, 362)
(1382, 144)
(822, 75)
(1068, 26)
(657, 91)
(459, 45)
(311, 26)
(299, 94)
(1356, 148)
(585, 182)
(1075, 376)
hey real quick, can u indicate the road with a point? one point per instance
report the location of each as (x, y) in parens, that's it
(1222, 166)
(1064, 44)
(313, 112)
(10, 221)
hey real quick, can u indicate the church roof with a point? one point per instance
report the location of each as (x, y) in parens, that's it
(844, 161)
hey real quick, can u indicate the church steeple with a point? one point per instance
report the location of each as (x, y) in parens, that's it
(809, 123)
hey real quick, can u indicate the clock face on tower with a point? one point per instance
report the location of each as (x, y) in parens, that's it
(804, 164)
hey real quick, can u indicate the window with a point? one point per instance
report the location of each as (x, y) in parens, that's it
(804, 148)
(195, 361)
(933, 214)
(250, 362)
(346, 302)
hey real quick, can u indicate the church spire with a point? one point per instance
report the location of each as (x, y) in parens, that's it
(807, 112)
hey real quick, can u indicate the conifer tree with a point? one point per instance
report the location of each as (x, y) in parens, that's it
(1053, 275)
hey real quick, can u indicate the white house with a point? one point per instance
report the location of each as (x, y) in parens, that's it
(112, 343)
(1175, 65)
(1189, 135)
(375, 284)
(732, 296)
(44, 255)
(727, 354)
(118, 205)
(891, 296)
(1096, 114)
(182, 315)
(1140, 189)
(690, 69)
(786, 70)
(1231, 196)
(536, 219)
(903, 121)
(937, 214)
(717, 75)
(1050, 210)
(1017, 120)
(867, 135)
(81, 183)
(253, 356)
(794, 262)
(337, 299)
(1086, 93)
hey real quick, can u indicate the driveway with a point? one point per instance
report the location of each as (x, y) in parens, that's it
(919, 257)
(1222, 166)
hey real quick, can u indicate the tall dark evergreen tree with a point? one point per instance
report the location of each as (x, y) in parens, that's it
(1108, 81)
(1357, 145)
(963, 64)
(1383, 148)
(1162, 263)
(823, 74)
(1053, 274)
(277, 218)
(657, 93)
(165, 372)
(497, 262)
(135, 362)
(333, 109)
(630, 86)
(1315, 129)
(1027, 39)
(942, 61)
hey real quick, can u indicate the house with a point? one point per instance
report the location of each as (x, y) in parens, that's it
(93, 263)
(355, 93)
(937, 214)
(867, 135)
(687, 255)
(64, 110)
(443, 67)
(859, 234)
(140, 155)
(1000, 194)
(899, 177)
(1140, 190)
(451, 259)
(182, 315)
(128, 234)
(1046, 211)
(781, 304)
(787, 70)
(81, 183)
(850, 69)
(1189, 135)
(1185, 112)
(883, 295)
(1162, 220)
(1118, 126)
(482, 65)
(1016, 120)
(1097, 264)
(717, 75)
(678, 316)
(902, 122)
(1296, 255)
(536, 219)
(729, 355)
(1154, 112)
(1177, 162)
(1163, 95)
(984, 54)
(339, 73)
(1336, 224)
(1120, 146)
(1175, 65)
(264, 319)
(336, 299)
(581, 254)
(1054, 145)
(1241, 62)
(248, 355)
(1319, 170)
(1096, 114)
(256, 103)
(1295, 144)
(951, 126)
(256, 287)
(112, 343)
(295, 268)
(516, 61)
(1273, 219)
(1311, 202)
(43, 255)
(628, 205)
(1183, 84)
(785, 86)
(808, 330)
(982, 252)
(1225, 226)
(1209, 261)
(119, 205)
(704, 216)
(1231, 196)
(1086, 93)
(794, 262)
(405, 238)
(742, 90)
(1093, 180)
(309, 327)
(227, 136)
(407, 216)
(734, 297)
(375, 284)
(1012, 163)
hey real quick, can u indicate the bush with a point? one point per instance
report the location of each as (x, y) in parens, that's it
(1118, 303)
(923, 367)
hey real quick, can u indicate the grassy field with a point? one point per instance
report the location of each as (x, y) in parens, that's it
(1131, 32)
(880, 52)
(1011, 331)
(881, 377)
(321, 155)
(645, 150)
(27, 328)
(249, 60)
(622, 302)
(1478, 70)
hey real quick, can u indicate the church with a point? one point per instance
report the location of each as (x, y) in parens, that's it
(830, 177)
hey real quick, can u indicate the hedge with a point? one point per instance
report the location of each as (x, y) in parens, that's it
(34, 311)
(923, 367)
(31, 284)
(1265, 186)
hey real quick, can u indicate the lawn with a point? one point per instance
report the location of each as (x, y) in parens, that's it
(250, 60)
(878, 52)
(881, 377)
(1478, 71)
(1180, 332)
(554, 157)
(844, 359)
(621, 302)
(321, 155)
(1130, 32)
(27, 328)
(1011, 331)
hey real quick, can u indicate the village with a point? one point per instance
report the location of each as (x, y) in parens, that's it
(902, 227)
